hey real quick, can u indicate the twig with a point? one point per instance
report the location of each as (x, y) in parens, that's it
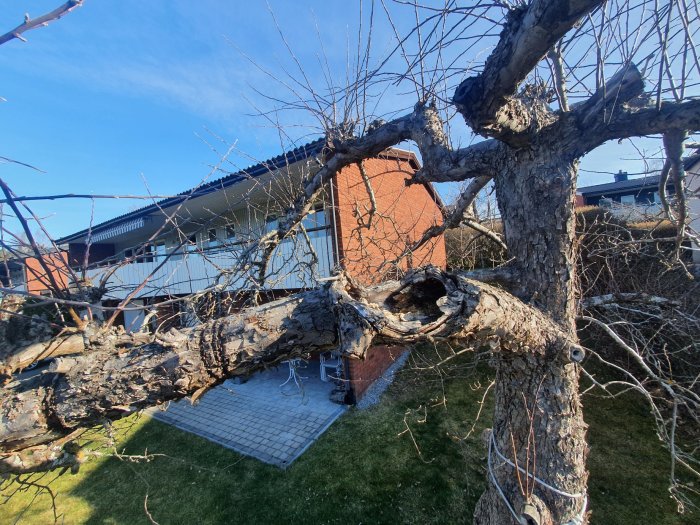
(43, 20)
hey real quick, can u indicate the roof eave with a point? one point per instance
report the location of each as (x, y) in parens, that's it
(276, 163)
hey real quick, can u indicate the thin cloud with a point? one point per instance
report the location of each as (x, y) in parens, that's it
(202, 88)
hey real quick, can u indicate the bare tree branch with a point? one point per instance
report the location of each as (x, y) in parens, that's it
(486, 101)
(41, 21)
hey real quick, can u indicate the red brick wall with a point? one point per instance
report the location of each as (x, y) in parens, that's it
(38, 281)
(403, 214)
(363, 372)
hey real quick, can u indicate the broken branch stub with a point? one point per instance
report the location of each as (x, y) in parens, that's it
(431, 304)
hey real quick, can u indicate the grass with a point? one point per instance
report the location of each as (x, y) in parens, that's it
(365, 469)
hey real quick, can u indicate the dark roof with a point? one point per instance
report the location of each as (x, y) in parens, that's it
(648, 181)
(690, 160)
(304, 152)
(301, 153)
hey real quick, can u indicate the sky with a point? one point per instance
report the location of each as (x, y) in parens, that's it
(143, 97)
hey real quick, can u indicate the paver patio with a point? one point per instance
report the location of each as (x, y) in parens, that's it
(258, 418)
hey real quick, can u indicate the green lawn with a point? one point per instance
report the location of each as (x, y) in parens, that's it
(363, 470)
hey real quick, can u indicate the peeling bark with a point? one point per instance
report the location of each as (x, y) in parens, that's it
(429, 304)
(109, 384)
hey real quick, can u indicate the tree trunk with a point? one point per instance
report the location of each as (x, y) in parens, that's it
(538, 423)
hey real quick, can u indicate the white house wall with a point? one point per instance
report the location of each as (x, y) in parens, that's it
(201, 267)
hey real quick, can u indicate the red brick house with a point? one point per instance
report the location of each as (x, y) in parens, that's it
(179, 245)
(366, 239)
(402, 214)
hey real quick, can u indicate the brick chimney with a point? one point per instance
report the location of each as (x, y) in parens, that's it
(620, 176)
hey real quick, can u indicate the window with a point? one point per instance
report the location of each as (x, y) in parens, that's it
(627, 200)
(315, 219)
(212, 238)
(145, 254)
(230, 233)
(315, 223)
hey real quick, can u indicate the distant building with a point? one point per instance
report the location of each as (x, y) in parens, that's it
(638, 199)
(643, 191)
(692, 182)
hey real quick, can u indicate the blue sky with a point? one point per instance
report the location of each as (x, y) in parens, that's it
(129, 96)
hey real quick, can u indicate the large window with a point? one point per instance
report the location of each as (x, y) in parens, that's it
(316, 219)
(316, 223)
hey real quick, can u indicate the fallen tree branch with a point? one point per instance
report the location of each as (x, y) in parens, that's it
(59, 346)
(69, 343)
(603, 300)
(429, 304)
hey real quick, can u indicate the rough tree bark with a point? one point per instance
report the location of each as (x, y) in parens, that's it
(538, 421)
(114, 380)
(537, 448)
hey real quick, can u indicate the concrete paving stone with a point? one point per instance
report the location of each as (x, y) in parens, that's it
(256, 418)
